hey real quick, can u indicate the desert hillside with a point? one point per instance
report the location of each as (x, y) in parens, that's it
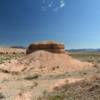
(44, 72)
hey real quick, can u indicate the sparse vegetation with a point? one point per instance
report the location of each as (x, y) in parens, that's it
(83, 90)
(86, 56)
(31, 76)
(8, 57)
(70, 92)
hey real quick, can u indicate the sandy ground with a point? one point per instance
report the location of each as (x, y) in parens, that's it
(39, 72)
(45, 62)
(11, 86)
(8, 50)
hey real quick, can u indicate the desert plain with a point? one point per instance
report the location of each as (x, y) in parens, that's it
(46, 75)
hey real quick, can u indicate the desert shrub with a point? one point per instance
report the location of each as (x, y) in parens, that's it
(31, 76)
(35, 84)
(1, 96)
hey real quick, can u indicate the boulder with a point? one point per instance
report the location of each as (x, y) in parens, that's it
(50, 46)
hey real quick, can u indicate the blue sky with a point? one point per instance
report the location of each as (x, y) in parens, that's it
(76, 23)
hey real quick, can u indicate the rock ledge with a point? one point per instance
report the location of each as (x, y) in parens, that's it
(50, 46)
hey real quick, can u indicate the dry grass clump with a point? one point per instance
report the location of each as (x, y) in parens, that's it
(1, 96)
(32, 76)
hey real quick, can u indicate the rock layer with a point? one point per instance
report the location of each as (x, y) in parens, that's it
(50, 46)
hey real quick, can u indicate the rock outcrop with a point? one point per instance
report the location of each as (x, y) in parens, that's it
(45, 57)
(50, 46)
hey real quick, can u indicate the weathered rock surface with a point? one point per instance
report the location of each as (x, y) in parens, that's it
(50, 46)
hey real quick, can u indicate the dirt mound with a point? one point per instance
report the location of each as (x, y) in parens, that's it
(45, 62)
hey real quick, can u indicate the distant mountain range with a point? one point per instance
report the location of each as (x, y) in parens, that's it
(84, 50)
(70, 50)
(18, 47)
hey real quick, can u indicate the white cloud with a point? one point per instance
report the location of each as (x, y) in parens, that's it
(53, 5)
(62, 3)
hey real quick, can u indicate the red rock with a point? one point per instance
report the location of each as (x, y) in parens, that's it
(50, 46)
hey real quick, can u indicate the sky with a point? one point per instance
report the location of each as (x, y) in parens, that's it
(76, 23)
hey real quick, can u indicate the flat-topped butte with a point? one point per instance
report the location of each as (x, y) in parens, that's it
(50, 46)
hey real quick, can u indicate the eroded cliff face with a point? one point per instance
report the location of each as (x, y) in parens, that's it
(50, 46)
